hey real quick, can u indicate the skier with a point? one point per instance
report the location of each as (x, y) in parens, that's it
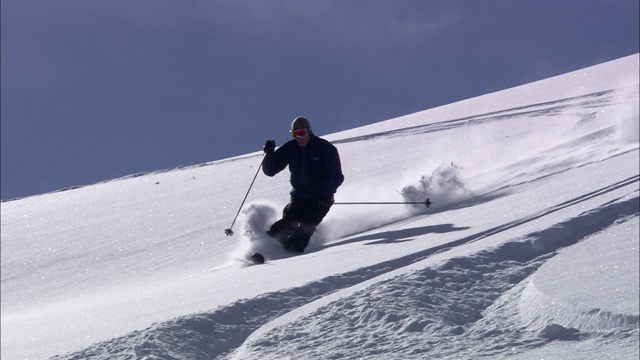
(316, 174)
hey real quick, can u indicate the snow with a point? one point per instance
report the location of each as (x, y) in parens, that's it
(530, 250)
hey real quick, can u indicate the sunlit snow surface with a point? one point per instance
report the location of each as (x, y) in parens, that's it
(530, 250)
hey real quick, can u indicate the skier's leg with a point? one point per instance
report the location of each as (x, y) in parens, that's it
(299, 221)
(277, 229)
(297, 242)
(309, 214)
(292, 214)
(318, 210)
(299, 236)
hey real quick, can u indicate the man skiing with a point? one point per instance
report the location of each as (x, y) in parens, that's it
(316, 174)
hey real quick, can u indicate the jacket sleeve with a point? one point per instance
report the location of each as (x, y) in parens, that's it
(334, 171)
(276, 162)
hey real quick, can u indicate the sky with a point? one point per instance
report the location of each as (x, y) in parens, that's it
(529, 250)
(94, 90)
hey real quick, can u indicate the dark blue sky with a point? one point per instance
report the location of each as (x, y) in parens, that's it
(95, 90)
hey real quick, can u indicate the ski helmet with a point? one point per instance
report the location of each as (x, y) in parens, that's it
(301, 123)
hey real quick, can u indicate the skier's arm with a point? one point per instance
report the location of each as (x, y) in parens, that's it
(275, 161)
(334, 171)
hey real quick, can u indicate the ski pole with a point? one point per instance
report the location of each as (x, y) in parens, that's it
(228, 231)
(427, 203)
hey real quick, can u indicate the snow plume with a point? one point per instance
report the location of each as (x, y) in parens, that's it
(627, 118)
(253, 222)
(444, 187)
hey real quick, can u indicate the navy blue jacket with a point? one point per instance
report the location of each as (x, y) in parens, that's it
(316, 172)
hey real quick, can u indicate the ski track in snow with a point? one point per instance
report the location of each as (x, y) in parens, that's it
(584, 106)
(404, 311)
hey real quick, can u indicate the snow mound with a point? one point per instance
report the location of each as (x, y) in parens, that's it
(559, 332)
(601, 302)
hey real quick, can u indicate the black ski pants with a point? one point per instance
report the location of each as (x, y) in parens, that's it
(299, 220)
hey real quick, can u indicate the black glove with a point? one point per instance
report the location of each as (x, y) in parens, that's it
(269, 147)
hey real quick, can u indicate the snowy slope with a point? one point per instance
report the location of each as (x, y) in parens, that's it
(529, 251)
